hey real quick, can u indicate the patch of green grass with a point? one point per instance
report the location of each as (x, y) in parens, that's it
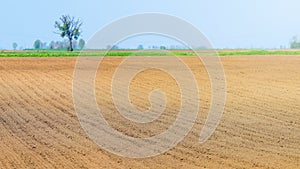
(53, 53)
(60, 53)
(259, 52)
(38, 54)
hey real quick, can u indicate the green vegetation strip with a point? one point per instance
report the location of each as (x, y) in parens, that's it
(90, 53)
(51, 53)
(259, 52)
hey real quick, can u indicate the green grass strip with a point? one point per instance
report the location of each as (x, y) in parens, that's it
(59, 53)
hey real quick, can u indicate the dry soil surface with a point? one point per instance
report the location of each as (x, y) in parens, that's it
(260, 127)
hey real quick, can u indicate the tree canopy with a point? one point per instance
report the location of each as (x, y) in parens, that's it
(69, 27)
(37, 44)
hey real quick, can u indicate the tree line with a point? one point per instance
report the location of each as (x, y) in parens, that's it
(70, 28)
(64, 44)
(67, 27)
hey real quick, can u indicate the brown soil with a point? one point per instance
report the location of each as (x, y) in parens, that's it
(260, 127)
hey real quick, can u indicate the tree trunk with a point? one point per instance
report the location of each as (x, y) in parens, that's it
(71, 45)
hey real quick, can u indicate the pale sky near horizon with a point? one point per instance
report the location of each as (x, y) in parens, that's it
(227, 24)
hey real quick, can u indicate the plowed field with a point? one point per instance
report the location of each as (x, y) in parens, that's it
(260, 127)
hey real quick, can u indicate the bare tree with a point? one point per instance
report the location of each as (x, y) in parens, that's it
(68, 27)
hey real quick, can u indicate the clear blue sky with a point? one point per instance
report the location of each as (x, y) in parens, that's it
(228, 24)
